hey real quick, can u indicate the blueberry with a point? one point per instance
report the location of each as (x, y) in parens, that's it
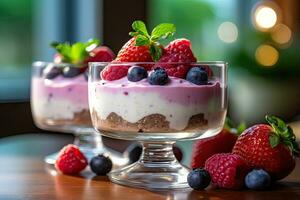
(198, 179)
(258, 180)
(51, 71)
(158, 76)
(133, 152)
(197, 76)
(100, 165)
(136, 73)
(70, 72)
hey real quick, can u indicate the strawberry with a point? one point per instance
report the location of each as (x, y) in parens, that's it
(70, 160)
(223, 142)
(142, 47)
(227, 170)
(132, 53)
(269, 147)
(177, 51)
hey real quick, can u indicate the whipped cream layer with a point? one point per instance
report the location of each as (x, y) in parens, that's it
(59, 98)
(178, 100)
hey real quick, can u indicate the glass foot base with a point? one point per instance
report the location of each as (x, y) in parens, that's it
(157, 169)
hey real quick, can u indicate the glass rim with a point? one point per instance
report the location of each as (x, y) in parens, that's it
(43, 63)
(145, 63)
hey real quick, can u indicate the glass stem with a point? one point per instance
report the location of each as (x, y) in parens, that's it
(157, 153)
(88, 140)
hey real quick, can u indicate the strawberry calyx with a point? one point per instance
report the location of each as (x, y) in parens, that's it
(232, 128)
(282, 133)
(75, 53)
(143, 38)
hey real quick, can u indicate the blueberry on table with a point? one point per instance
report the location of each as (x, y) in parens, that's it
(70, 72)
(197, 76)
(100, 165)
(258, 179)
(158, 76)
(198, 179)
(51, 71)
(136, 73)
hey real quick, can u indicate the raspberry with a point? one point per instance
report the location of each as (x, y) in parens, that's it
(114, 72)
(70, 160)
(168, 62)
(227, 170)
(183, 47)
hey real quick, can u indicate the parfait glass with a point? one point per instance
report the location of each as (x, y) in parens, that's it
(157, 116)
(60, 104)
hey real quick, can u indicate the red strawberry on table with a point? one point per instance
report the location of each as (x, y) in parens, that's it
(223, 142)
(70, 160)
(227, 170)
(269, 147)
(142, 47)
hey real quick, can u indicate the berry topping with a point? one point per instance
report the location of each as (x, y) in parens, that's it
(158, 76)
(136, 73)
(100, 54)
(168, 62)
(197, 76)
(258, 180)
(198, 179)
(220, 143)
(70, 72)
(269, 147)
(144, 47)
(113, 72)
(76, 53)
(70, 160)
(100, 165)
(227, 170)
(183, 47)
(51, 71)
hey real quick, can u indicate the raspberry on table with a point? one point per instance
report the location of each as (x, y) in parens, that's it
(227, 170)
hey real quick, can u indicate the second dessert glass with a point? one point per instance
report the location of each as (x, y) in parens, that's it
(60, 104)
(157, 116)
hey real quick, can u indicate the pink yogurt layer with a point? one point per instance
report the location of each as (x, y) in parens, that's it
(176, 91)
(74, 89)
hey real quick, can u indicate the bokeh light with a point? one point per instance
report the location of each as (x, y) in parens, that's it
(266, 55)
(281, 34)
(265, 17)
(228, 32)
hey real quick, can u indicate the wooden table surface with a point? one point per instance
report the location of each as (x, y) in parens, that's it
(24, 175)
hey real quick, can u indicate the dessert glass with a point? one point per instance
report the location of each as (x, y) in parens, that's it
(61, 104)
(157, 116)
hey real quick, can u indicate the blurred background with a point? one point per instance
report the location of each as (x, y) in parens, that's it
(259, 40)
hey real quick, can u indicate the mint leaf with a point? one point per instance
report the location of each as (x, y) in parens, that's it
(141, 40)
(155, 51)
(274, 140)
(140, 28)
(163, 31)
(91, 44)
(78, 53)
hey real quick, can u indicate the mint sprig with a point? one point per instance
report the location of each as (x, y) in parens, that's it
(282, 133)
(77, 52)
(143, 38)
